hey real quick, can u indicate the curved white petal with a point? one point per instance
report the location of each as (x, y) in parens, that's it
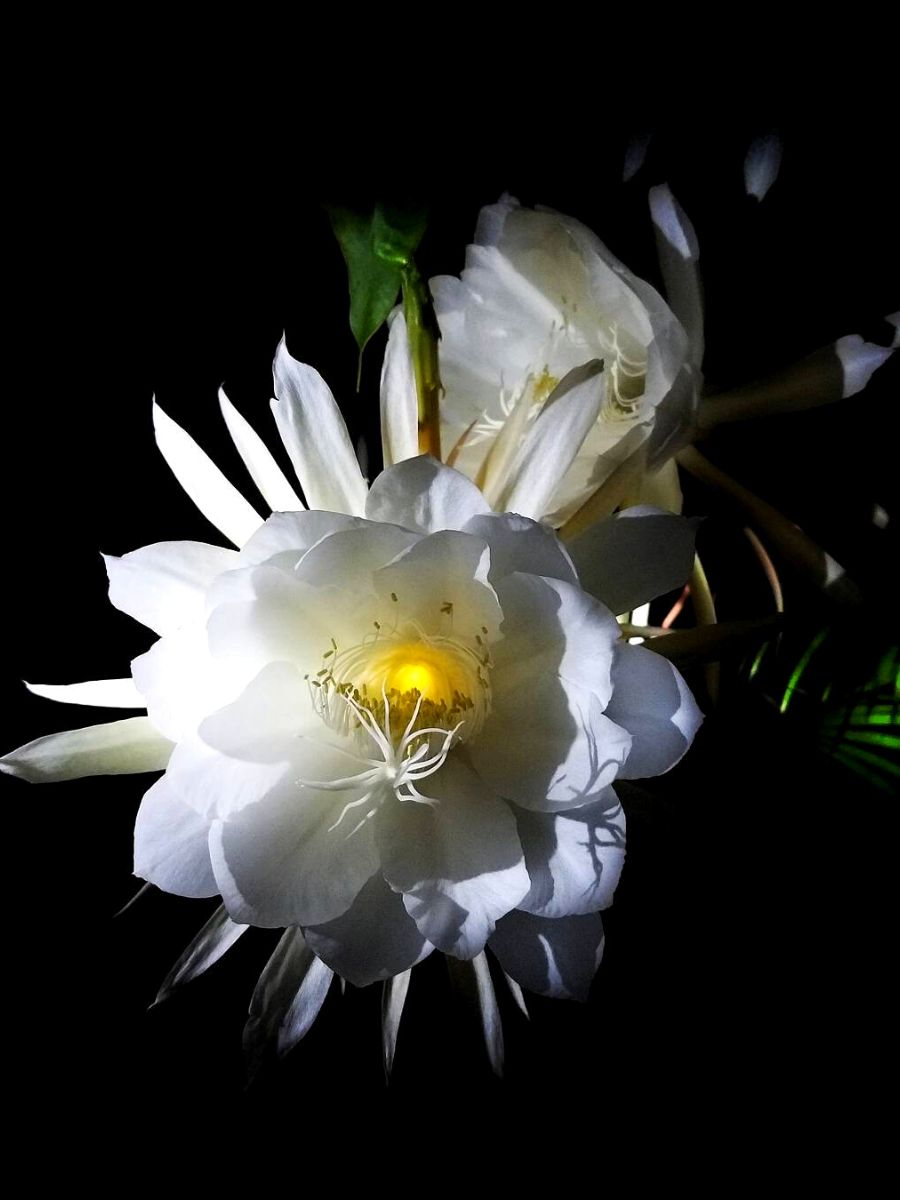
(374, 939)
(634, 556)
(285, 537)
(315, 437)
(264, 470)
(423, 494)
(164, 585)
(218, 500)
(458, 862)
(99, 693)
(551, 957)
(762, 164)
(216, 937)
(171, 844)
(859, 361)
(519, 544)
(118, 748)
(574, 858)
(399, 402)
(679, 252)
(651, 701)
(552, 442)
(287, 998)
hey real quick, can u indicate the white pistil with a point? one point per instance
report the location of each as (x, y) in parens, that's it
(398, 769)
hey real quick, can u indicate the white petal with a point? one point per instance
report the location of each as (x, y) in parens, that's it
(678, 250)
(315, 437)
(171, 844)
(473, 981)
(164, 585)
(762, 164)
(287, 999)
(264, 470)
(399, 402)
(348, 558)
(651, 701)
(119, 748)
(423, 494)
(459, 863)
(634, 556)
(285, 537)
(392, 1003)
(216, 937)
(218, 500)
(374, 939)
(859, 361)
(552, 442)
(551, 957)
(894, 319)
(98, 693)
(574, 858)
(520, 544)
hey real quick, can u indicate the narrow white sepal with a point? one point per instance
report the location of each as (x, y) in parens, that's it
(399, 403)
(305, 1007)
(286, 1000)
(518, 995)
(859, 361)
(894, 319)
(216, 937)
(117, 748)
(218, 500)
(264, 470)
(393, 998)
(316, 438)
(762, 164)
(554, 439)
(679, 252)
(97, 693)
(491, 1025)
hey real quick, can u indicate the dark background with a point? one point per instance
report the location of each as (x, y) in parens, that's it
(745, 991)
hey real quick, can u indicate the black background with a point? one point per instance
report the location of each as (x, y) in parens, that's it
(745, 991)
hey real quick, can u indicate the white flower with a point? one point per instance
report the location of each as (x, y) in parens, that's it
(541, 296)
(391, 721)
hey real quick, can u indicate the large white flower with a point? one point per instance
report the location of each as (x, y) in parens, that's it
(540, 297)
(391, 721)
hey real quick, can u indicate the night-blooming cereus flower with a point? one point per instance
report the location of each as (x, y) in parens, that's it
(539, 298)
(390, 723)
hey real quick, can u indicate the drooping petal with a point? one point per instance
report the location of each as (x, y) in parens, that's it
(218, 500)
(458, 863)
(163, 586)
(118, 748)
(399, 403)
(264, 470)
(315, 437)
(574, 858)
(551, 957)
(95, 693)
(520, 544)
(423, 494)
(679, 252)
(392, 1003)
(634, 556)
(286, 1001)
(552, 442)
(651, 701)
(216, 937)
(171, 844)
(374, 939)
(472, 980)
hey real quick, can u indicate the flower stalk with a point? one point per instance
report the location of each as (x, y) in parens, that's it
(423, 332)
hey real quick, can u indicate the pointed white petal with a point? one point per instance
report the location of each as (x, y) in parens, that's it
(762, 164)
(264, 470)
(399, 403)
(98, 693)
(119, 748)
(291, 990)
(218, 500)
(216, 937)
(472, 979)
(859, 361)
(635, 154)
(551, 444)
(392, 1002)
(164, 585)
(678, 251)
(316, 438)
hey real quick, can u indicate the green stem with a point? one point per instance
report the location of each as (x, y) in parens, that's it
(422, 328)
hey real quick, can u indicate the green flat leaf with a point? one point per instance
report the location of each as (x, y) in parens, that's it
(374, 282)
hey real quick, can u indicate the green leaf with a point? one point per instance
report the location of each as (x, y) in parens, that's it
(374, 282)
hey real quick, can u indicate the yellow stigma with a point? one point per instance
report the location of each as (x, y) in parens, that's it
(409, 667)
(543, 386)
